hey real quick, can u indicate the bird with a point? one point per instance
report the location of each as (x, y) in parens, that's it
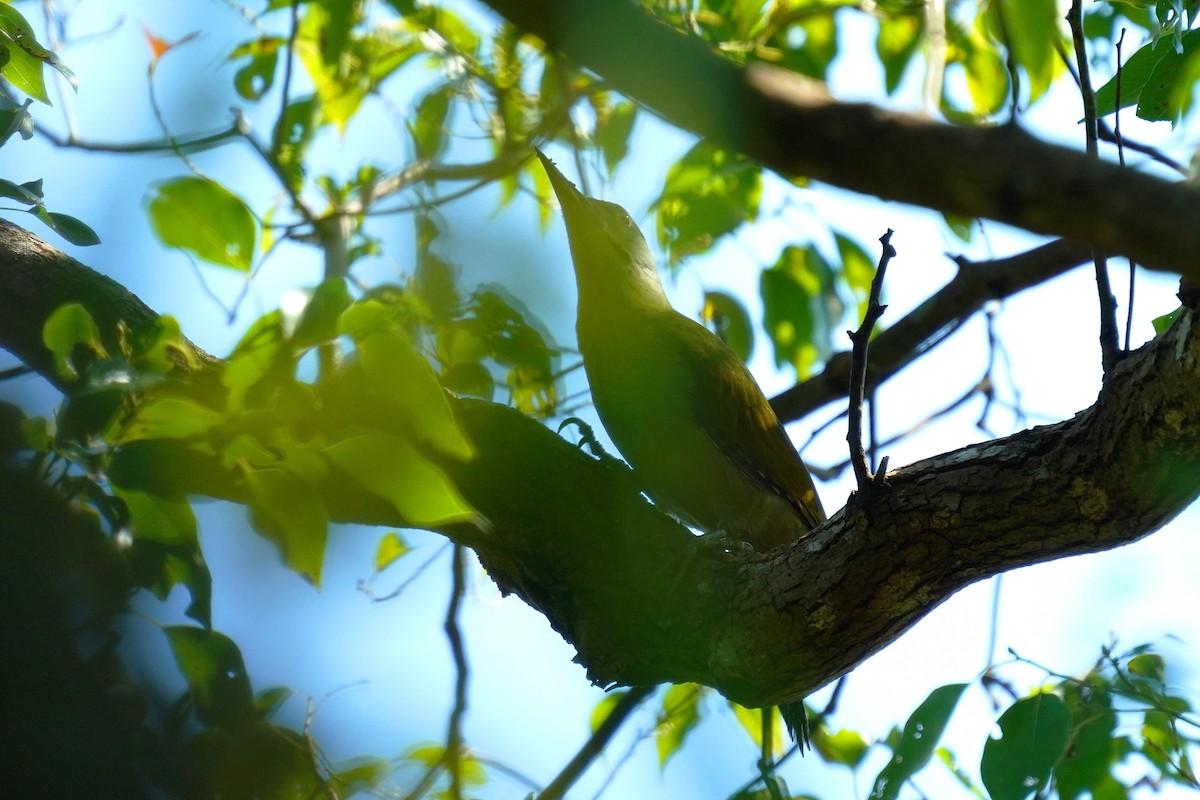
(678, 403)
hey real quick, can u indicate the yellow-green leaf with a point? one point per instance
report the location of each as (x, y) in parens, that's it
(67, 326)
(286, 510)
(391, 548)
(392, 469)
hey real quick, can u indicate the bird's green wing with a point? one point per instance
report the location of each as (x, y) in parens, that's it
(737, 417)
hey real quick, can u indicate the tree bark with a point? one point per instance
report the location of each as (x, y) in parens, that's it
(643, 601)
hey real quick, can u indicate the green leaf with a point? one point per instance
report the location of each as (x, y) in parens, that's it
(157, 518)
(1033, 35)
(160, 568)
(895, 44)
(729, 319)
(271, 700)
(844, 747)
(918, 742)
(262, 354)
(360, 774)
(1148, 665)
(15, 118)
(286, 510)
(680, 714)
(68, 227)
(401, 377)
(1165, 321)
(612, 136)
(21, 193)
(391, 549)
(205, 219)
(254, 79)
(987, 79)
(800, 307)
(604, 708)
(709, 192)
(751, 721)
(392, 469)
(293, 134)
(1090, 753)
(216, 676)
(171, 418)
(428, 126)
(23, 67)
(268, 762)
(318, 321)
(1149, 77)
(67, 326)
(1034, 736)
(858, 269)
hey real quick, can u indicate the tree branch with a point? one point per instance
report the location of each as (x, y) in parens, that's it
(930, 323)
(638, 598)
(791, 125)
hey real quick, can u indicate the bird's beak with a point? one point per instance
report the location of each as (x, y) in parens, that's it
(570, 198)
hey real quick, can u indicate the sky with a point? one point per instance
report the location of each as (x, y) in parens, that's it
(378, 673)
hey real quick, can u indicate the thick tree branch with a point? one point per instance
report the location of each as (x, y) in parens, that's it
(643, 603)
(793, 126)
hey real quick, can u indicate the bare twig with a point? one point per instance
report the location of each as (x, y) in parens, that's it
(858, 365)
(454, 740)
(596, 743)
(1121, 157)
(1108, 303)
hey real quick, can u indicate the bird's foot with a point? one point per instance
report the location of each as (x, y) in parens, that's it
(587, 437)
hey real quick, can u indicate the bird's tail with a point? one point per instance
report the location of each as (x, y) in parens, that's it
(795, 717)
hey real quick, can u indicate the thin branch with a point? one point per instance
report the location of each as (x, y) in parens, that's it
(286, 92)
(454, 740)
(1121, 157)
(365, 587)
(596, 743)
(858, 365)
(1109, 343)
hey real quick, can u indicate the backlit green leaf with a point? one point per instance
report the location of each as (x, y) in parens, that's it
(680, 714)
(1152, 71)
(70, 325)
(391, 468)
(613, 135)
(160, 519)
(318, 322)
(216, 676)
(844, 747)
(729, 319)
(23, 68)
(286, 510)
(428, 127)
(205, 219)
(1034, 736)
(709, 193)
(918, 741)
(391, 548)
(400, 376)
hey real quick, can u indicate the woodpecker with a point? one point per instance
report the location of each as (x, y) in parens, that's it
(678, 403)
